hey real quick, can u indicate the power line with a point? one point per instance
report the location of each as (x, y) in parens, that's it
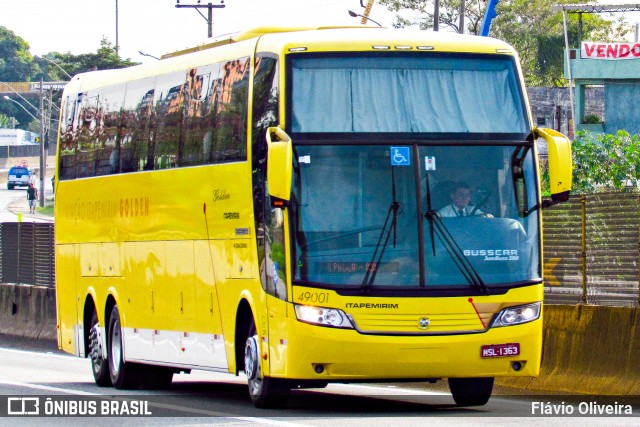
(208, 6)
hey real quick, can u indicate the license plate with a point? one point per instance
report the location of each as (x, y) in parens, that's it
(500, 350)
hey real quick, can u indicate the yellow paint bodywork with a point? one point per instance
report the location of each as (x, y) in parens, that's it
(447, 348)
(159, 243)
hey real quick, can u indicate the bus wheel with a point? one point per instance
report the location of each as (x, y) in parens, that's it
(265, 392)
(471, 391)
(99, 364)
(123, 375)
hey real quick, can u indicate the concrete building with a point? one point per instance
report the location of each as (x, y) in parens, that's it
(615, 67)
(17, 137)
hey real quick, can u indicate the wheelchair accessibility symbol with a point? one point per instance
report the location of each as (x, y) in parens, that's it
(400, 156)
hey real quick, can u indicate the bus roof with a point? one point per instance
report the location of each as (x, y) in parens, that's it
(341, 34)
(283, 40)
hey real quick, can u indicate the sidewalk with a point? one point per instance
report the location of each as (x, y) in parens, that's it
(20, 208)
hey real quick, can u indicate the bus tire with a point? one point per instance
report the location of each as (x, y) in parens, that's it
(99, 364)
(471, 391)
(265, 392)
(123, 375)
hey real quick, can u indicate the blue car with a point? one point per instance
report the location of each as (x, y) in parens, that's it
(19, 176)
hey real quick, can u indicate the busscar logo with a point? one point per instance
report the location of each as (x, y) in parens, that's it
(493, 254)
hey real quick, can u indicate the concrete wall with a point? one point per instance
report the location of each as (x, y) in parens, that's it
(587, 349)
(28, 311)
(551, 106)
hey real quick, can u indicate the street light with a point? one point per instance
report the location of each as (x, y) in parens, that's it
(150, 56)
(56, 64)
(23, 107)
(355, 15)
(18, 93)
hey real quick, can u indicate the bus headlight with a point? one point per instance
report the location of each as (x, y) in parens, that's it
(322, 316)
(517, 315)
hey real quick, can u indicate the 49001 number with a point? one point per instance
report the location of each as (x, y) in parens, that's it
(314, 297)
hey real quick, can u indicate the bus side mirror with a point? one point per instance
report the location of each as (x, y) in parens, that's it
(279, 166)
(560, 164)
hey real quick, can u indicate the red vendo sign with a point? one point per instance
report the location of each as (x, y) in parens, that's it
(594, 50)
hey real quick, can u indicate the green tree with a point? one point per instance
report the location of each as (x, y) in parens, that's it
(103, 59)
(530, 26)
(18, 65)
(6, 122)
(536, 31)
(420, 13)
(14, 57)
(605, 162)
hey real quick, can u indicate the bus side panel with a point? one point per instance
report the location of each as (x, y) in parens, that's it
(66, 298)
(207, 304)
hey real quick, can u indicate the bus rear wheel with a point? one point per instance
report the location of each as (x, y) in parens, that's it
(265, 392)
(123, 375)
(99, 364)
(471, 391)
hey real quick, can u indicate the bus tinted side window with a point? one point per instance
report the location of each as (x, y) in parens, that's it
(133, 144)
(67, 151)
(88, 134)
(184, 118)
(106, 158)
(230, 104)
(197, 141)
(270, 229)
(169, 104)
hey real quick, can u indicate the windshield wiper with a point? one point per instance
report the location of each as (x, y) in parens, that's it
(437, 227)
(372, 267)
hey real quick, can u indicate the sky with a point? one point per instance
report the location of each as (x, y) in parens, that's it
(156, 27)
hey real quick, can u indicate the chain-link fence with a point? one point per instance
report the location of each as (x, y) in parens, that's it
(27, 253)
(591, 250)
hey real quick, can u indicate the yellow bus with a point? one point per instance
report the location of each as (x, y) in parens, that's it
(275, 203)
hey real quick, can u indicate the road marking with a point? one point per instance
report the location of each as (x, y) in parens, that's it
(152, 404)
(48, 354)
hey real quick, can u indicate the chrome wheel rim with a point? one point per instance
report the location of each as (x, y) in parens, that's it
(116, 346)
(252, 364)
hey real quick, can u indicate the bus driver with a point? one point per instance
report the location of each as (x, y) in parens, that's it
(460, 198)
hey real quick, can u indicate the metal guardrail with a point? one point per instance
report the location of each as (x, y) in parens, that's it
(592, 250)
(27, 253)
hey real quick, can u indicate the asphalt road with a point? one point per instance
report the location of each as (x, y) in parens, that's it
(13, 204)
(36, 370)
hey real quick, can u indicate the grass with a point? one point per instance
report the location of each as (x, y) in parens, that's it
(46, 210)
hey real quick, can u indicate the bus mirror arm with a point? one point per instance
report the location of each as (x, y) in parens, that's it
(279, 166)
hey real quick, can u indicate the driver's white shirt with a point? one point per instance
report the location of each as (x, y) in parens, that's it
(451, 210)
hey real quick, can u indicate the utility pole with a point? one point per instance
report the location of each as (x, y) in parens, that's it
(209, 7)
(43, 163)
(436, 15)
(367, 11)
(117, 44)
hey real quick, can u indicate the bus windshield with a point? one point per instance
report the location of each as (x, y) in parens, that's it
(410, 93)
(361, 219)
